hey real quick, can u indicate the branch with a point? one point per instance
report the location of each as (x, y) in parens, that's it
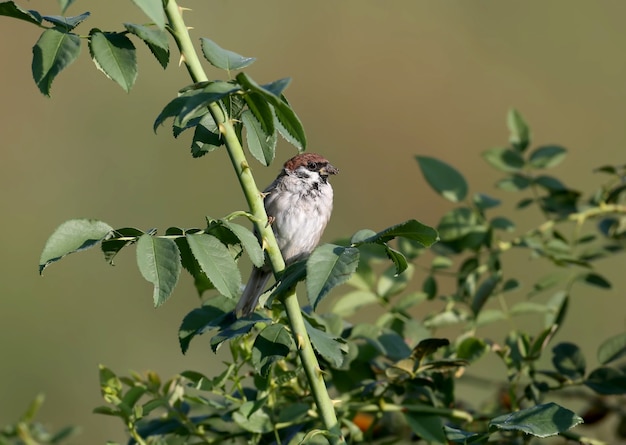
(189, 57)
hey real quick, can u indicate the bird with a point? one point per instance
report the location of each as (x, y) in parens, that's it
(298, 204)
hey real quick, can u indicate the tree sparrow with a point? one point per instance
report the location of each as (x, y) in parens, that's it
(298, 204)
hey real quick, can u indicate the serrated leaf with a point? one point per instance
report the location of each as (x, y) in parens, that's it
(443, 178)
(550, 183)
(519, 131)
(66, 24)
(327, 346)
(237, 329)
(504, 159)
(399, 260)
(112, 245)
(155, 39)
(544, 420)
(249, 242)
(471, 349)
(329, 266)
(188, 104)
(53, 52)
(292, 275)
(217, 263)
(272, 344)
(223, 58)
(200, 280)
(261, 109)
(72, 236)
(159, 263)
(289, 125)
(211, 315)
(154, 10)
(10, 9)
(411, 229)
(114, 54)
(547, 156)
(205, 137)
(612, 349)
(427, 347)
(458, 223)
(261, 145)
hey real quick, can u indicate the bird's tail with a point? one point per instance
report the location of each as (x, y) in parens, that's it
(250, 297)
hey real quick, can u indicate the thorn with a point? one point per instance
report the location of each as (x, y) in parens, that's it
(183, 9)
(300, 341)
(190, 28)
(222, 128)
(270, 221)
(181, 60)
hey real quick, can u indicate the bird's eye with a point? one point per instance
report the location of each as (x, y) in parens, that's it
(312, 166)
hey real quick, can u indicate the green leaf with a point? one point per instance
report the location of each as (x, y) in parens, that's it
(114, 54)
(209, 316)
(513, 183)
(519, 131)
(399, 260)
(483, 293)
(261, 145)
(217, 263)
(458, 223)
(484, 202)
(223, 58)
(66, 24)
(547, 156)
(329, 266)
(544, 420)
(612, 349)
(53, 52)
(548, 281)
(237, 329)
(293, 274)
(154, 10)
(10, 9)
(569, 360)
(428, 427)
(159, 263)
(607, 381)
(205, 137)
(550, 183)
(594, 279)
(112, 245)
(349, 303)
(528, 307)
(72, 236)
(327, 346)
(155, 39)
(443, 178)
(411, 229)
(427, 347)
(471, 349)
(248, 240)
(289, 125)
(252, 417)
(273, 343)
(502, 223)
(261, 109)
(64, 4)
(188, 104)
(390, 283)
(504, 159)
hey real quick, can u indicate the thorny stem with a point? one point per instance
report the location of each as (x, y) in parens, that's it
(189, 57)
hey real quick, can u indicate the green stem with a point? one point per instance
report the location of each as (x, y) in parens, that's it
(189, 57)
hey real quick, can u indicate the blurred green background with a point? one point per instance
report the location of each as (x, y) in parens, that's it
(374, 83)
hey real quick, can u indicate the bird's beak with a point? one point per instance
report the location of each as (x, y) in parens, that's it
(329, 169)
